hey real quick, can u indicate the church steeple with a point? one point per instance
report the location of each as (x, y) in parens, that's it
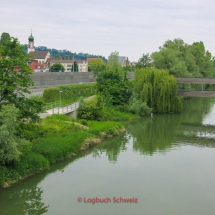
(31, 43)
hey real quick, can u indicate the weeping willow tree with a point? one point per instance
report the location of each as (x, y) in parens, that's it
(158, 89)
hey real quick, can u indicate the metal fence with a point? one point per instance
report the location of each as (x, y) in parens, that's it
(54, 107)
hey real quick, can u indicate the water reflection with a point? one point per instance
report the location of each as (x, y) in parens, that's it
(112, 148)
(146, 136)
(25, 198)
(26, 201)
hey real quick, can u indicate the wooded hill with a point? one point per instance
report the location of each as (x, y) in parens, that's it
(66, 54)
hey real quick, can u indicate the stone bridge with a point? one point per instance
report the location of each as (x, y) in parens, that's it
(196, 93)
(195, 80)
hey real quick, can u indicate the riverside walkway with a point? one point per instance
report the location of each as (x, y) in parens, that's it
(60, 110)
(56, 108)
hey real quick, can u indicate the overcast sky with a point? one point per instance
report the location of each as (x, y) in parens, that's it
(131, 27)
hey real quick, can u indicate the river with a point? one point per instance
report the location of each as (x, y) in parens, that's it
(164, 163)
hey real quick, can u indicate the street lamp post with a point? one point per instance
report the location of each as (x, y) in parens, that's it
(61, 65)
(50, 66)
(60, 97)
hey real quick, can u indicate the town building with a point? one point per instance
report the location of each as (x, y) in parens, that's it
(40, 56)
(41, 61)
(71, 65)
(123, 61)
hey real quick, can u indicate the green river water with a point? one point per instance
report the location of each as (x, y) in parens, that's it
(164, 162)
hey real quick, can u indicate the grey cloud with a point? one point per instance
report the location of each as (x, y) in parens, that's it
(132, 27)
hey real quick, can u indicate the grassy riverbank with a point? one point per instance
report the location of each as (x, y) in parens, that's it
(56, 138)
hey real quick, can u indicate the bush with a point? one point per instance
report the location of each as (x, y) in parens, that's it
(84, 122)
(91, 109)
(8, 175)
(138, 107)
(31, 164)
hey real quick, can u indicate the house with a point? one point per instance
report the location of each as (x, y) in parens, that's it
(123, 61)
(71, 65)
(40, 56)
(43, 67)
(33, 65)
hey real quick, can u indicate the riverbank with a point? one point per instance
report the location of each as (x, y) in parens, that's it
(56, 138)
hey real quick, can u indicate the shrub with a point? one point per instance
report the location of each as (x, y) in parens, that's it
(138, 107)
(31, 163)
(91, 109)
(8, 175)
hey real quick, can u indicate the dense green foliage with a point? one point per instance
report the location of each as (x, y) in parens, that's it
(59, 146)
(91, 109)
(183, 60)
(56, 67)
(144, 61)
(11, 145)
(112, 82)
(136, 106)
(54, 138)
(69, 93)
(158, 89)
(96, 65)
(15, 79)
(98, 109)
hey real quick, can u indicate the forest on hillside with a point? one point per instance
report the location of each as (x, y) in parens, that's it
(66, 54)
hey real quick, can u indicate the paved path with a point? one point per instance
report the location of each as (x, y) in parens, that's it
(60, 110)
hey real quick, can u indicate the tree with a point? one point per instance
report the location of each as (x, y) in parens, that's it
(158, 90)
(11, 146)
(113, 59)
(56, 67)
(91, 109)
(113, 83)
(144, 61)
(15, 79)
(183, 60)
(96, 65)
(74, 67)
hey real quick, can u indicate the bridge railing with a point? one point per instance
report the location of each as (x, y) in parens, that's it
(55, 108)
(52, 105)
